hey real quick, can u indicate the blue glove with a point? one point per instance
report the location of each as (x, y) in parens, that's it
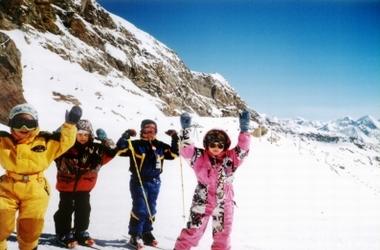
(123, 141)
(101, 135)
(74, 115)
(244, 121)
(185, 119)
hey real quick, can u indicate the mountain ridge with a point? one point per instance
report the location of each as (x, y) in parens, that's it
(105, 44)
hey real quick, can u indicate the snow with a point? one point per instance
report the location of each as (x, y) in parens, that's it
(286, 199)
(115, 52)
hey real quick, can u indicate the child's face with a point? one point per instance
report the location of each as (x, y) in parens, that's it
(21, 134)
(149, 132)
(215, 148)
(83, 137)
(23, 126)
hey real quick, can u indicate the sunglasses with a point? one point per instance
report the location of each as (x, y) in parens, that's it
(216, 145)
(21, 123)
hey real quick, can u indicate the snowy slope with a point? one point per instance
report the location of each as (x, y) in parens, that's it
(286, 199)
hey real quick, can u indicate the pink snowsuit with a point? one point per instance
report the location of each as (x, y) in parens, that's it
(213, 195)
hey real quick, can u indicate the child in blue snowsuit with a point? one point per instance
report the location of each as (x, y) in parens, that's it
(149, 154)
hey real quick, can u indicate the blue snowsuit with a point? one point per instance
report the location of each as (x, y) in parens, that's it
(149, 157)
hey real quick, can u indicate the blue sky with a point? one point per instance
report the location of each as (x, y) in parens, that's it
(318, 60)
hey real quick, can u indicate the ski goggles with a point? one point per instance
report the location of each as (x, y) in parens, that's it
(19, 123)
(216, 145)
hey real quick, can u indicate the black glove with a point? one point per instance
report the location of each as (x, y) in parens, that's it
(123, 141)
(244, 121)
(74, 115)
(128, 133)
(172, 133)
(101, 135)
(185, 120)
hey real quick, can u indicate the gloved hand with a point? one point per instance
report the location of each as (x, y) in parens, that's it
(101, 135)
(244, 121)
(185, 120)
(171, 132)
(74, 115)
(123, 141)
(128, 133)
(109, 143)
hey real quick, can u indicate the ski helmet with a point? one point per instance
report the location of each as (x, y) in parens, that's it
(24, 108)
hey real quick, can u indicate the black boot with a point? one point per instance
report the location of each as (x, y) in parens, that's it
(84, 238)
(67, 240)
(149, 239)
(136, 242)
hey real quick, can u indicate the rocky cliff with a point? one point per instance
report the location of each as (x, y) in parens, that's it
(106, 44)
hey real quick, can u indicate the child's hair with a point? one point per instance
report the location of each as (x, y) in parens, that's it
(146, 122)
(216, 135)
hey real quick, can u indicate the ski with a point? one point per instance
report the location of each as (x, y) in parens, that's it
(52, 241)
(93, 246)
(133, 247)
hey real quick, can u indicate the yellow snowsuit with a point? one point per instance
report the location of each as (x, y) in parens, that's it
(24, 188)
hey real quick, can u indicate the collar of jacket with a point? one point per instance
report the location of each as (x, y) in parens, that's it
(28, 139)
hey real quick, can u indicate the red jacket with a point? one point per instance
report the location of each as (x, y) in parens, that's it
(77, 169)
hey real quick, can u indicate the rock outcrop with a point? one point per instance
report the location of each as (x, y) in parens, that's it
(156, 70)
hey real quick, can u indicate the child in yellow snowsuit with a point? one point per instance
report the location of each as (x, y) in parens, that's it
(25, 154)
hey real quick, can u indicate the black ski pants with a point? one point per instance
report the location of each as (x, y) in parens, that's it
(77, 203)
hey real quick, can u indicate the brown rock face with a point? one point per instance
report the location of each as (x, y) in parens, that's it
(37, 13)
(11, 91)
(160, 72)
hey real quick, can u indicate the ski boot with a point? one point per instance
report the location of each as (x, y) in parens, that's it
(67, 240)
(149, 239)
(136, 242)
(84, 238)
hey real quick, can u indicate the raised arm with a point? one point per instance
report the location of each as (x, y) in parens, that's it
(67, 135)
(240, 151)
(186, 145)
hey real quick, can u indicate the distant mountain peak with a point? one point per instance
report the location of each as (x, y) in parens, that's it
(368, 121)
(363, 132)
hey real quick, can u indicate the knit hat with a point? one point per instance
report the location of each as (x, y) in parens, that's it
(24, 108)
(85, 125)
(216, 135)
(146, 122)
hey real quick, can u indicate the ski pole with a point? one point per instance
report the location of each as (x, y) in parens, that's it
(140, 180)
(183, 188)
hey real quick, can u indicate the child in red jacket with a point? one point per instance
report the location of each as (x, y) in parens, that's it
(76, 177)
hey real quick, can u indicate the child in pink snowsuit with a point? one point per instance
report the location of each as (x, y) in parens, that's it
(214, 167)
